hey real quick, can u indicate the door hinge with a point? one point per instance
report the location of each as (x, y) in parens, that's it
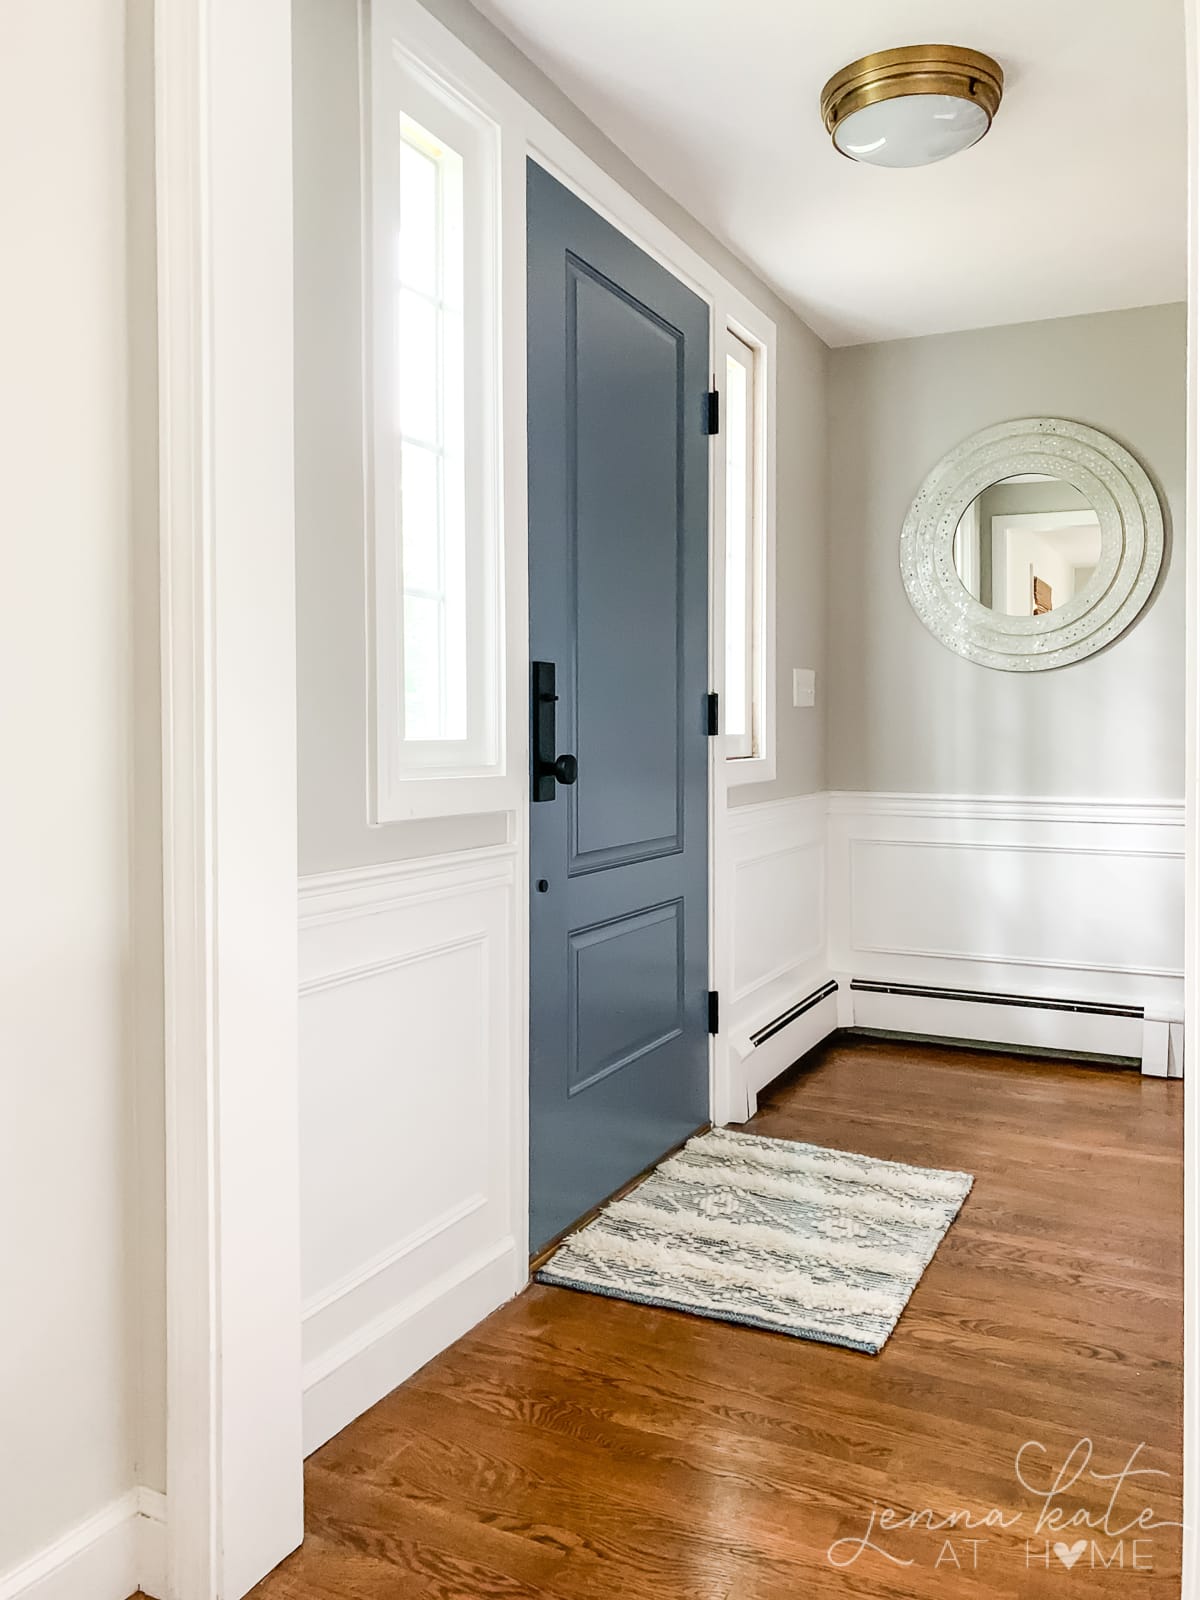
(714, 1011)
(712, 715)
(712, 411)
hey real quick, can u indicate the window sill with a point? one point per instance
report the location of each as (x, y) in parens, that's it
(749, 769)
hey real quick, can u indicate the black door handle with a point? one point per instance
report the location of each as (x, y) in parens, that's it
(548, 769)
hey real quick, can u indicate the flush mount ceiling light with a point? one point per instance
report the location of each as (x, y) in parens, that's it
(910, 107)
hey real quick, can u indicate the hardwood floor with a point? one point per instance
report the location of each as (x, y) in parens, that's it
(573, 1446)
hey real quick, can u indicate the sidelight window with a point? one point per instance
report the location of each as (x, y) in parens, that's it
(746, 618)
(430, 428)
(434, 554)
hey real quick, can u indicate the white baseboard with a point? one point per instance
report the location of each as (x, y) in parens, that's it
(351, 1377)
(108, 1556)
(1019, 1025)
(762, 1059)
(152, 1543)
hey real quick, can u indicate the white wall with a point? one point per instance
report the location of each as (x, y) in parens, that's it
(906, 713)
(69, 1260)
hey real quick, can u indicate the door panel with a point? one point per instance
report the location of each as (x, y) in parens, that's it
(622, 389)
(618, 546)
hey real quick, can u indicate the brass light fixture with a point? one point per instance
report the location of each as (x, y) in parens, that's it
(913, 106)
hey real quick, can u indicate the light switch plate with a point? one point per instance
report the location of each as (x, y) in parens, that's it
(804, 686)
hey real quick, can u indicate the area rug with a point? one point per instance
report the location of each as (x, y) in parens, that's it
(819, 1244)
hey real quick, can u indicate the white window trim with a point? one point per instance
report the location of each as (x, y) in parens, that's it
(409, 779)
(758, 334)
(741, 320)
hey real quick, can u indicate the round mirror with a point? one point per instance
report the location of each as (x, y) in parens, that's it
(1027, 545)
(1032, 544)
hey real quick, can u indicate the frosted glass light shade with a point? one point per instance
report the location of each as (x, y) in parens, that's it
(913, 105)
(911, 130)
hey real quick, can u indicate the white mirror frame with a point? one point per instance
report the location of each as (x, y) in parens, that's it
(1131, 544)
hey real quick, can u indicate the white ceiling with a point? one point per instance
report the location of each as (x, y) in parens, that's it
(1074, 202)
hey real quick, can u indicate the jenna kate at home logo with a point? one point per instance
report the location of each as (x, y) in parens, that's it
(1080, 1518)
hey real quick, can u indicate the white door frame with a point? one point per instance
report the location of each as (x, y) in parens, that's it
(1188, 535)
(224, 202)
(223, 135)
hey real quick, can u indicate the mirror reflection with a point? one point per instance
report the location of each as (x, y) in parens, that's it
(1027, 545)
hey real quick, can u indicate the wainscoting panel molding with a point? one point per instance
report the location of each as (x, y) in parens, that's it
(777, 855)
(408, 1005)
(771, 916)
(1051, 900)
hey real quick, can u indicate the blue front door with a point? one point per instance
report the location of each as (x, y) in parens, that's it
(618, 594)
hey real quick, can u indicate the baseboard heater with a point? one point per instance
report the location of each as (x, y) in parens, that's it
(790, 1015)
(923, 991)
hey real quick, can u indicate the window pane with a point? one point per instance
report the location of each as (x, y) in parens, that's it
(738, 552)
(422, 667)
(418, 263)
(417, 367)
(421, 519)
(430, 421)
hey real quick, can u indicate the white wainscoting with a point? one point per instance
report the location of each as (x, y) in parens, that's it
(412, 1115)
(771, 918)
(409, 1113)
(1049, 899)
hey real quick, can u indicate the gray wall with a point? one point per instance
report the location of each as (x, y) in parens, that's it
(906, 714)
(329, 449)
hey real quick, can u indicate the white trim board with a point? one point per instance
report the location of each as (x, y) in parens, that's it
(223, 142)
(107, 1556)
(1008, 808)
(1190, 1582)
(369, 1363)
(987, 1021)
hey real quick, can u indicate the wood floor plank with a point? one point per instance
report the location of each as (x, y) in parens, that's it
(577, 1447)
